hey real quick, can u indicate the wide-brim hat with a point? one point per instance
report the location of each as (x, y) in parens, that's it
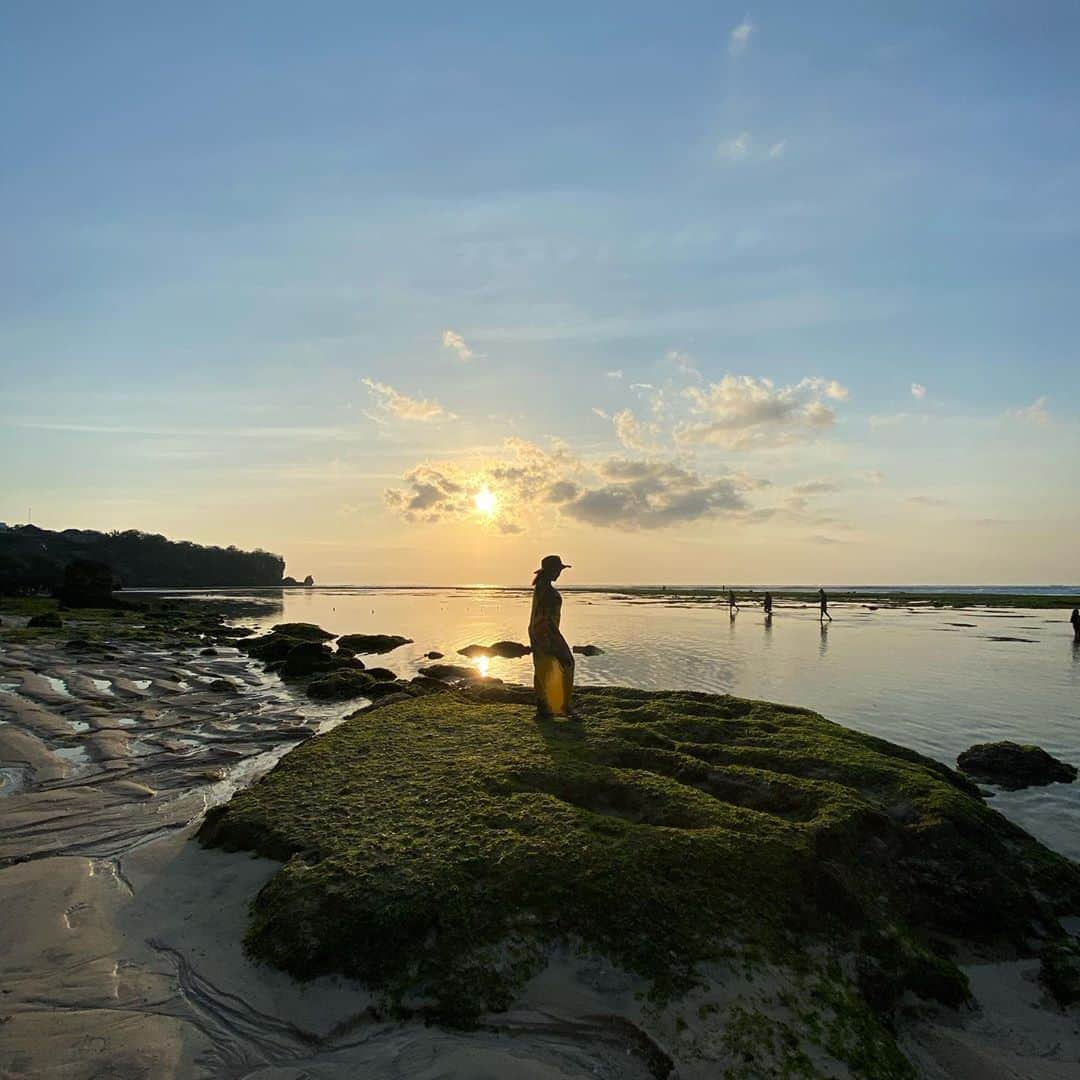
(551, 562)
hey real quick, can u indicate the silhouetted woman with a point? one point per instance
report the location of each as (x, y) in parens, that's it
(1075, 620)
(767, 605)
(553, 662)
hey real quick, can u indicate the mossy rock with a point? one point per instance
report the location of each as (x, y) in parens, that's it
(425, 838)
(341, 686)
(223, 686)
(506, 650)
(48, 620)
(450, 672)
(372, 643)
(1060, 970)
(310, 658)
(1015, 765)
(302, 631)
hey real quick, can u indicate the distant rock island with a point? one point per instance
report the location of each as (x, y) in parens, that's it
(34, 560)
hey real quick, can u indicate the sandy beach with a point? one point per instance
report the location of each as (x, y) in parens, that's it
(122, 953)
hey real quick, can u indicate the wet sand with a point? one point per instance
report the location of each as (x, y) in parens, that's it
(120, 949)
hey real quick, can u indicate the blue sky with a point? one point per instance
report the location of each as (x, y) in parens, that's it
(807, 272)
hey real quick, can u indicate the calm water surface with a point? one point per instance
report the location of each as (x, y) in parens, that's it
(933, 680)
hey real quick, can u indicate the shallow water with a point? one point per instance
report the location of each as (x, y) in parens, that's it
(934, 680)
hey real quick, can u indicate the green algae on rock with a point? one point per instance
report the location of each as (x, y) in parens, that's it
(436, 847)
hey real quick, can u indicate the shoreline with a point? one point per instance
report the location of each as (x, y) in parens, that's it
(124, 932)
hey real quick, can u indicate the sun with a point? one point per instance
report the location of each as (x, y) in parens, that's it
(487, 502)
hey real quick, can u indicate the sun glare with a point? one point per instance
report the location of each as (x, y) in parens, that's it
(486, 502)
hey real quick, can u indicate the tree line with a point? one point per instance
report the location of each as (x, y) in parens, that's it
(33, 560)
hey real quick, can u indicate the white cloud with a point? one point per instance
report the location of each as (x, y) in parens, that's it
(1035, 413)
(927, 500)
(735, 149)
(617, 374)
(633, 433)
(456, 344)
(918, 391)
(601, 413)
(778, 149)
(739, 38)
(815, 487)
(404, 407)
(742, 412)
(684, 362)
(875, 476)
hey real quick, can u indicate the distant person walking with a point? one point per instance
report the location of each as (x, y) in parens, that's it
(553, 662)
(823, 600)
(732, 605)
(1075, 620)
(767, 605)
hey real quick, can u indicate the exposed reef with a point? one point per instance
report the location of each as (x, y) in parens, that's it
(1013, 766)
(439, 848)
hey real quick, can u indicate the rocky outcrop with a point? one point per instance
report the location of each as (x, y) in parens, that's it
(1013, 766)
(506, 650)
(303, 630)
(48, 620)
(371, 643)
(588, 650)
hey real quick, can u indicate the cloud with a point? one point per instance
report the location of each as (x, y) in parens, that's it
(918, 391)
(531, 481)
(684, 362)
(633, 433)
(743, 412)
(927, 500)
(875, 476)
(617, 374)
(778, 149)
(816, 487)
(652, 495)
(404, 407)
(456, 344)
(735, 149)
(739, 38)
(1035, 413)
(601, 413)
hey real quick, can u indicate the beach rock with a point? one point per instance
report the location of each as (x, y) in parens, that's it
(1013, 766)
(449, 672)
(303, 630)
(430, 685)
(208, 652)
(48, 620)
(310, 658)
(507, 650)
(289, 582)
(78, 645)
(384, 690)
(382, 674)
(433, 655)
(1060, 970)
(309, 581)
(588, 650)
(223, 686)
(233, 631)
(341, 686)
(372, 643)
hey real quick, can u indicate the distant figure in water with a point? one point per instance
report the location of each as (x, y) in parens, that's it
(732, 606)
(767, 605)
(1075, 620)
(823, 600)
(553, 662)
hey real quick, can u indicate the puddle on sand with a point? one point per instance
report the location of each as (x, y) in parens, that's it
(58, 685)
(79, 725)
(102, 686)
(141, 684)
(73, 755)
(13, 779)
(125, 721)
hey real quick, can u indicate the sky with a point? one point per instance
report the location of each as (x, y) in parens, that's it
(687, 293)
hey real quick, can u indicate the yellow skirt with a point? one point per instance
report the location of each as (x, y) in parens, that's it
(554, 680)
